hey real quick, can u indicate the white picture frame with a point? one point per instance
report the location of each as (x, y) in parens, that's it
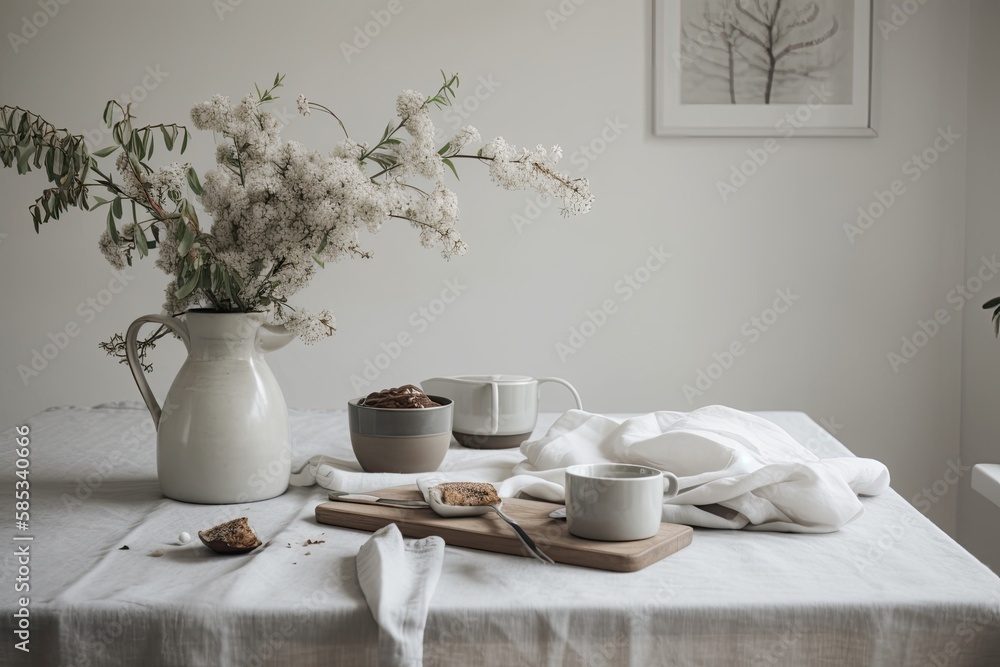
(716, 72)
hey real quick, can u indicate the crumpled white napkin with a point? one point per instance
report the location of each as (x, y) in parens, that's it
(736, 470)
(398, 580)
(460, 465)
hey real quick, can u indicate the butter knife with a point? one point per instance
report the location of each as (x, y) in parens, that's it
(365, 499)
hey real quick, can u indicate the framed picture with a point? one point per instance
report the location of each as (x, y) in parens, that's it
(763, 68)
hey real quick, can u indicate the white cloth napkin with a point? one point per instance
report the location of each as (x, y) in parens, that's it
(398, 580)
(460, 465)
(736, 470)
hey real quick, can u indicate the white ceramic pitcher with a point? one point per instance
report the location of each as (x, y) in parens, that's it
(222, 436)
(493, 411)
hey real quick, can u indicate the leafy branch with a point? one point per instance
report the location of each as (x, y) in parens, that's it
(115, 347)
(994, 303)
(388, 161)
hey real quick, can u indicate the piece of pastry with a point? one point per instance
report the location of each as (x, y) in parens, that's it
(468, 493)
(234, 536)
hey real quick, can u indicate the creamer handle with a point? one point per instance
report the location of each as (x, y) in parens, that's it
(572, 389)
(495, 412)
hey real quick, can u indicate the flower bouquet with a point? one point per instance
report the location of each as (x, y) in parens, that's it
(278, 210)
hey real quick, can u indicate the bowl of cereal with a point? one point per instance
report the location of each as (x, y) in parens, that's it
(400, 430)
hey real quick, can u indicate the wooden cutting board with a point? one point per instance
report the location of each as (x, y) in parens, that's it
(490, 533)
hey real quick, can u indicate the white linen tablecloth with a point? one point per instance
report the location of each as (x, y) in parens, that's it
(888, 589)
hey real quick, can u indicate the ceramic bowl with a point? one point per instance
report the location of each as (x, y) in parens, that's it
(403, 440)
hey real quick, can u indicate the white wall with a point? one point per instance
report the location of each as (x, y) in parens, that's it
(978, 518)
(526, 288)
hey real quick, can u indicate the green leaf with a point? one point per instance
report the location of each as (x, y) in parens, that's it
(186, 242)
(109, 112)
(23, 160)
(450, 164)
(140, 241)
(992, 303)
(104, 152)
(184, 142)
(116, 207)
(193, 181)
(168, 141)
(57, 162)
(444, 149)
(49, 169)
(112, 228)
(137, 146)
(189, 286)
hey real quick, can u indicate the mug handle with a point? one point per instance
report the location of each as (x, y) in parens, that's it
(670, 484)
(576, 396)
(132, 354)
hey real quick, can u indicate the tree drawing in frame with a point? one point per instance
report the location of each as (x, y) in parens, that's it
(766, 51)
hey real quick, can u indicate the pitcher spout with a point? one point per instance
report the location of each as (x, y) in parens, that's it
(273, 337)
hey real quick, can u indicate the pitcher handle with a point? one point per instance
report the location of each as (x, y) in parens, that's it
(132, 354)
(572, 389)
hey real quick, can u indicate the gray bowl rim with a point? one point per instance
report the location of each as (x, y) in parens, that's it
(373, 421)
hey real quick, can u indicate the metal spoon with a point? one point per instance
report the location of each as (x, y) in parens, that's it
(446, 510)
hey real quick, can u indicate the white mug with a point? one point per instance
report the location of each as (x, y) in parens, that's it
(493, 411)
(616, 502)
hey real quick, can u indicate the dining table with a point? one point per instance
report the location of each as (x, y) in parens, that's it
(97, 571)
